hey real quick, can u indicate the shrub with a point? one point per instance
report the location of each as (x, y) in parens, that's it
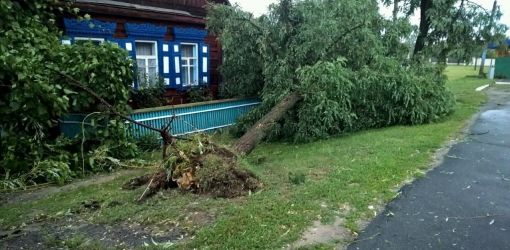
(153, 96)
(149, 142)
(199, 94)
(36, 91)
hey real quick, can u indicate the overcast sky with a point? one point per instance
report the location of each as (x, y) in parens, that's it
(258, 7)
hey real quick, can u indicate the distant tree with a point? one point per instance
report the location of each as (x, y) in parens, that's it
(451, 25)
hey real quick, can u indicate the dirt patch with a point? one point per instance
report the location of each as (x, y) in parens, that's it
(38, 194)
(54, 235)
(319, 233)
(202, 167)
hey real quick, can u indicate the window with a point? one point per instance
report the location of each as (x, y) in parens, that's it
(83, 40)
(189, 64)
(147, 62)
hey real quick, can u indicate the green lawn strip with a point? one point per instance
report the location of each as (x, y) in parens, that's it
(343, 177)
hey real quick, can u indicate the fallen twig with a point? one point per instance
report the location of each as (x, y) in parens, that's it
(475, 217)
(146, 189)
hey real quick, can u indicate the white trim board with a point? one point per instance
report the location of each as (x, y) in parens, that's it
(503, 83)
(482, 87)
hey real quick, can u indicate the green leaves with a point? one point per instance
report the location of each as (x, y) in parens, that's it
(34, 95)
(347, 62)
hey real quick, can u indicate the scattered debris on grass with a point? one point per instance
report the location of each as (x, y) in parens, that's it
(91, 205)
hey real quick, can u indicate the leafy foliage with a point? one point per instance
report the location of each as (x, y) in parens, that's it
(199, 94)
(149, 142)
(350, 77)
(152, 96)
(35, 93)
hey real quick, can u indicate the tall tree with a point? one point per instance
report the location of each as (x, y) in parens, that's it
(328, 66)
(452, 25)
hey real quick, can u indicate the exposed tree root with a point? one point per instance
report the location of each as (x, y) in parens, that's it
(201, 167)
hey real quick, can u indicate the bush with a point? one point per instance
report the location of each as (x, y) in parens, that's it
(149, 142)
(199, 94)
(36, 91)
(149, 97)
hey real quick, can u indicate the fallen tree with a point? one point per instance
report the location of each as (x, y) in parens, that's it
(194, 163)
(323, 68)
(253, 136)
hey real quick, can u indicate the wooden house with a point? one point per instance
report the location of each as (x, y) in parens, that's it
(167, 39)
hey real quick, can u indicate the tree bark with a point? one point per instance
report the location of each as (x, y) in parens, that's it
(395, 10)
(257, 132)
(443, 57)
(425, 5)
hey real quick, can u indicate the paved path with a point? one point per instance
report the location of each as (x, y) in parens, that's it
(464, 203)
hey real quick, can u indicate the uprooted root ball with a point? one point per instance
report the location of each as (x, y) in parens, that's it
(201, 167)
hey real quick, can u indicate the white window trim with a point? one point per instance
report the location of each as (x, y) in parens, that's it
(146, 58)
(101, 40)
(188, 65)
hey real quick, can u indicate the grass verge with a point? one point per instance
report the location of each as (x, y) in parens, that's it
(343, 176)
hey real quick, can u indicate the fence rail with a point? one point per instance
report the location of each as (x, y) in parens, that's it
(189, 118)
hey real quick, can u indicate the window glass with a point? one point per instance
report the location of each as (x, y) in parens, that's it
(189, 65)
(147, 63)
(145, 49)
(185, 75)
(153, 63)
(187, 50)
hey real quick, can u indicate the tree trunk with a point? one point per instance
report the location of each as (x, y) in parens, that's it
(395, 10)
(443, 57)
(476, 62)
(425, 5)
(257, 132)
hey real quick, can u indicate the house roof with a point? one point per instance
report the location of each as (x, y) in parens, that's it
(185, 8)
(495, 46)
(135, 6)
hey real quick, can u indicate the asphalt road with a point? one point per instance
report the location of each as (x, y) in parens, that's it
(464, 203)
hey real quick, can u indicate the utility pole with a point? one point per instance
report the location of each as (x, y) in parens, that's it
(484, 53)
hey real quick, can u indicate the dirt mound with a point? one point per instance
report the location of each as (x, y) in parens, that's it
(199, 166)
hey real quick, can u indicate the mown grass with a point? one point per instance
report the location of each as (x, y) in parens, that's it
(343, 176)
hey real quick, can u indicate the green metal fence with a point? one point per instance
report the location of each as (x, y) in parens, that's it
(502, 69)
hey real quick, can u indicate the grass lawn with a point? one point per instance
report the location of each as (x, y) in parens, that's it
(344, 176)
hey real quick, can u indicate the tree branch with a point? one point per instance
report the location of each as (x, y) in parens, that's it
(479, 6)
(274, 50)
(340, 37)
(165, 135)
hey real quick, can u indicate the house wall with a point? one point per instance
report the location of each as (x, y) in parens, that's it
(124, 26)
